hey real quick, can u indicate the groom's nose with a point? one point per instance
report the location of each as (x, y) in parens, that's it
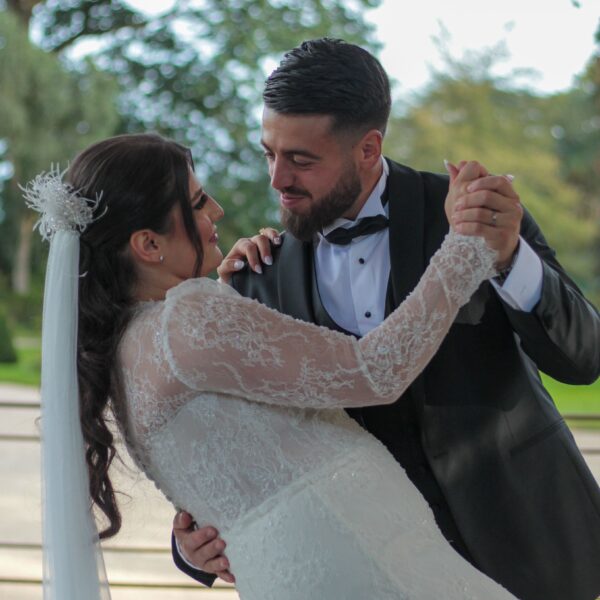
(282, 175)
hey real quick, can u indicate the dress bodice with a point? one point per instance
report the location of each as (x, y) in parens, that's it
(229, 402)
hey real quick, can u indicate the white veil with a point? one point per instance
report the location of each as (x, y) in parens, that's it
(73, 564)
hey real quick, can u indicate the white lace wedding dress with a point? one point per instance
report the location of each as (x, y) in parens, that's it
(236, 412)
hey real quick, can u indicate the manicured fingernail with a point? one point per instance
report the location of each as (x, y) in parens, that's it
(277, 241)
(509, 177)
(258, 269)
(446, 164)
(238, 264)
(459, 206)
(470, 187)
(268, 260)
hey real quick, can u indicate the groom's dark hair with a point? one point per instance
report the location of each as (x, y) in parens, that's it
(331, 77)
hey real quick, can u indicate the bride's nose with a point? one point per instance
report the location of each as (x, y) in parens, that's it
(216, 211)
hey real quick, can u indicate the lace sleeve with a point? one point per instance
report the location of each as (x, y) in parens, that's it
(222, 342)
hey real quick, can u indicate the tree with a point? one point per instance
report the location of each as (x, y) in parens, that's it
(467, 113)
(576, 114)
(195, 72)
(47, 113)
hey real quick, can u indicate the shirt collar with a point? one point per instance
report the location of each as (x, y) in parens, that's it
(371, 207)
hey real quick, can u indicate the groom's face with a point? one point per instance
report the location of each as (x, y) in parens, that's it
(312, 169)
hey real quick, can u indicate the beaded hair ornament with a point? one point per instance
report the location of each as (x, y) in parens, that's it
(60, 205)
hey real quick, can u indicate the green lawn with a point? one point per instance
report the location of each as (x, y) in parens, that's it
(574, 398)
(27, 369)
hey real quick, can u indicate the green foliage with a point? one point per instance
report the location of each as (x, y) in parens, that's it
(196, 73)
(7, 349)
(576, 115)
(47, 114)
(24, 311)
(468, 114)
(26, 370)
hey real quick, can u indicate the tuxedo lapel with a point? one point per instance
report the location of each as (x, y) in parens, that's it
(407, 222)
(294, 279)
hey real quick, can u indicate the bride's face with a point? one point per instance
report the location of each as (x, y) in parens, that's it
(181, 253)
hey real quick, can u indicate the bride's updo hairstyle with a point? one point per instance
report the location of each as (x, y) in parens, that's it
(139, 180)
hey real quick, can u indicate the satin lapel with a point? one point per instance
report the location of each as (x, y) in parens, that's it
(407, 222)
(294, 279)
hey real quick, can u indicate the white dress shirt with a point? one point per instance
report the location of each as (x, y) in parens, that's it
(353, 279)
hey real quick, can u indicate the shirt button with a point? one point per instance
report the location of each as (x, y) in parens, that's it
(361, 261)
(368, 314)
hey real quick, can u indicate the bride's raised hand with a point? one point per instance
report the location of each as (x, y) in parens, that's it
(485, 205)
(255, 251)
(461, 175)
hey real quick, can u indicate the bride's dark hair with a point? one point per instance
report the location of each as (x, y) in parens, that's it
(139, 179)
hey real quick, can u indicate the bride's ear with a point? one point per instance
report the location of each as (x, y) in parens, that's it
(145, 246)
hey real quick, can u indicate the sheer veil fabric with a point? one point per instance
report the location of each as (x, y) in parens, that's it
(73, 564)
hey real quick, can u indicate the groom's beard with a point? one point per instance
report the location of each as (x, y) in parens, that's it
(325, 210)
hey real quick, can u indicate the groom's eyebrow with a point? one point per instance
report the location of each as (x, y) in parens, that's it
(294, 152)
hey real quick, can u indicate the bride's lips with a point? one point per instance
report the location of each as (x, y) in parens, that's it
(214, 238)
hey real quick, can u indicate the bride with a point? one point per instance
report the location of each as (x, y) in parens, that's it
(233, 409)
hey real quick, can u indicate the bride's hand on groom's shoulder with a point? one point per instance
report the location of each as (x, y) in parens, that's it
(256, 251)
(201, 548)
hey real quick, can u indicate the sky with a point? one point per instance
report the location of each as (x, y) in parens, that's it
(551, 36)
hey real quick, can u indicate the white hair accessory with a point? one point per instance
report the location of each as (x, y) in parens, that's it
(61, 206)
(73, 564)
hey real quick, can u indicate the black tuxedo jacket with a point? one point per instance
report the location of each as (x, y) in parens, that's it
(520, 492)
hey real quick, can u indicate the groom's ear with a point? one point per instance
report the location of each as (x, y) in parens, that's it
(145, 246)
(368, 149)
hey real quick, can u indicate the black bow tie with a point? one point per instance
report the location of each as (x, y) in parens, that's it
(366, 226)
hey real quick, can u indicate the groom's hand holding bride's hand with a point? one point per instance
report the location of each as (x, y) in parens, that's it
(486, 205)
(202, 548)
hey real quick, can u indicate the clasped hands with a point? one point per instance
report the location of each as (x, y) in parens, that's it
(486, 205)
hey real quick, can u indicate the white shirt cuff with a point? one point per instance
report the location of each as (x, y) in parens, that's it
(522, 289)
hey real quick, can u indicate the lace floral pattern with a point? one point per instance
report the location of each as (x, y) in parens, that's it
(235, 409)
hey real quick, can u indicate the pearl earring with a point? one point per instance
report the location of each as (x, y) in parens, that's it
(161, 258)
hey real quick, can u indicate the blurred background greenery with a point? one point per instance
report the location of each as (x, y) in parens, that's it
(75, 71)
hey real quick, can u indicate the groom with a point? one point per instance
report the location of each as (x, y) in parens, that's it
(477, 433)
